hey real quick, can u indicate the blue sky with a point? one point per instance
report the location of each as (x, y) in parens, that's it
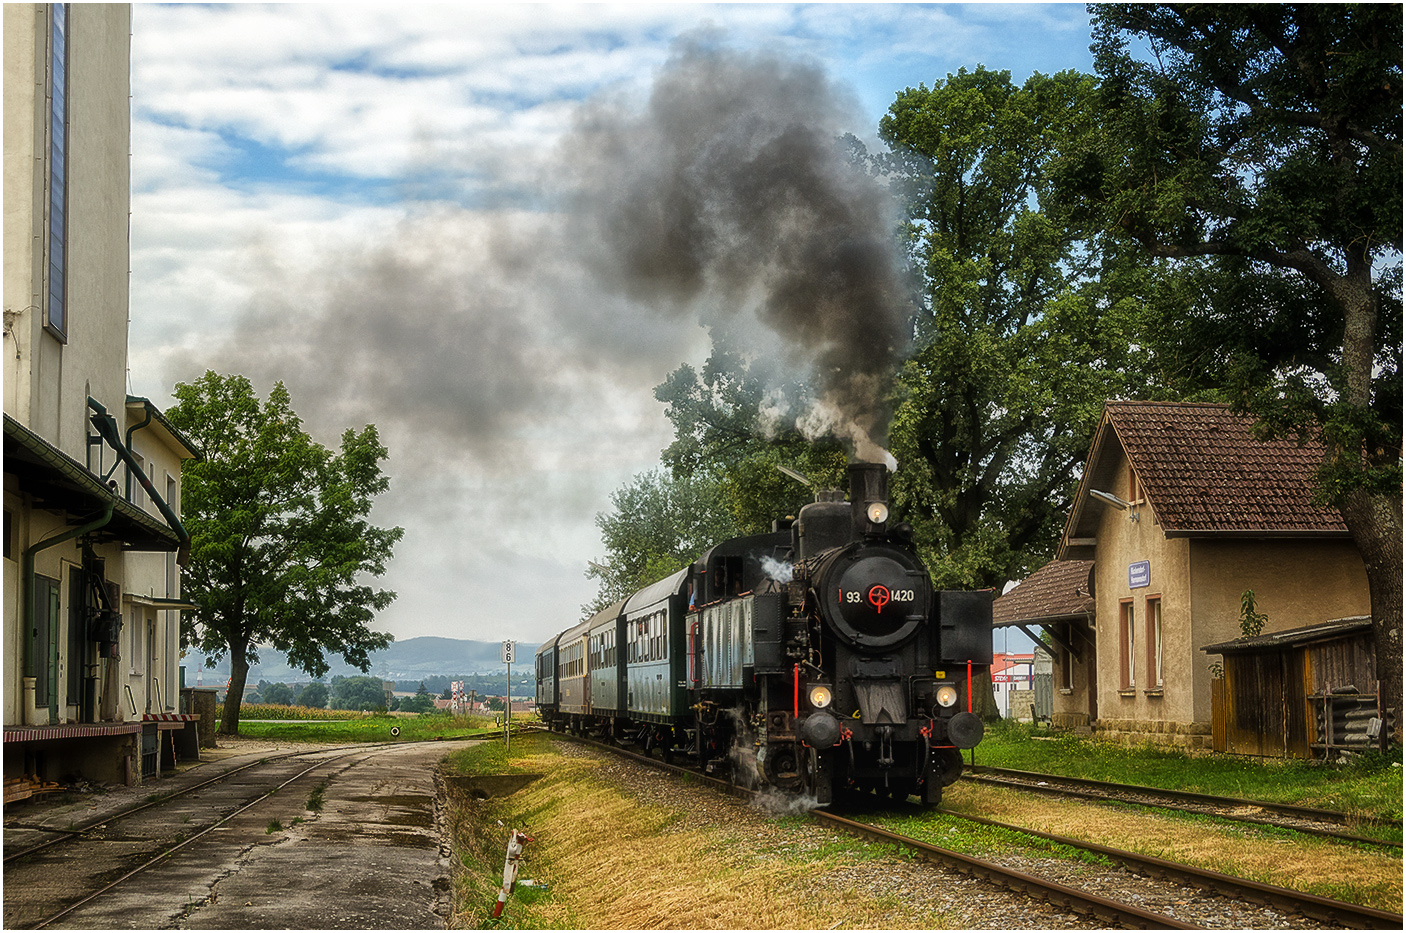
(355, 199)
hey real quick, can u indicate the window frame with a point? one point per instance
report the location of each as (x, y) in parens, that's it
(56, 291)
(1153, 614)
(1127, 647)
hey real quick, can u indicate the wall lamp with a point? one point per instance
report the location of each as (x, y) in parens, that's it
(1110, 499)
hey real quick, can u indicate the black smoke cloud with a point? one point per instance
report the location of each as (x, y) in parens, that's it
(731, 194)
(725, 199)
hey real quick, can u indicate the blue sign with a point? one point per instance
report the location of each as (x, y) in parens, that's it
(1139, 574)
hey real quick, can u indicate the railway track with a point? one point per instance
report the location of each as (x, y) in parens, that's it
(1307, 820)
(50, 836)
(101, 874)
(1325, 910)
(1106, 910)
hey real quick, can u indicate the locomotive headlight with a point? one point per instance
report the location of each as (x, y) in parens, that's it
(946, 695)
(821, 696)
(878, 512)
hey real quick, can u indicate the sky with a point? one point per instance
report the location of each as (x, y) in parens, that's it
(492, 229)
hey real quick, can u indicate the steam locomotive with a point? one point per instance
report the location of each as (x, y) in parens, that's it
(817, 659)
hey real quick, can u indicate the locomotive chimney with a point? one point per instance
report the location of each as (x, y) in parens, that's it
(869, 497)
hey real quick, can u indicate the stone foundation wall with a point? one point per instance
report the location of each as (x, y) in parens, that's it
(1070, 722)
(1188, 735)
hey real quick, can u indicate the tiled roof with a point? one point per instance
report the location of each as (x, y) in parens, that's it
(1202, 470)
(1048, 593)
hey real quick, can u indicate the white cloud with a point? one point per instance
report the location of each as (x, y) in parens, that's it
(281, 151)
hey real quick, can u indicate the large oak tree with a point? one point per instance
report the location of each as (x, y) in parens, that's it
(1023, 328)
(282, 548)
(1255, 150)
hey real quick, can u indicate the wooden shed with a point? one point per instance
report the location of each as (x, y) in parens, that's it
(1302, 693)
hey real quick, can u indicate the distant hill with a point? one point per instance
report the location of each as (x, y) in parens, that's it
(411, 659)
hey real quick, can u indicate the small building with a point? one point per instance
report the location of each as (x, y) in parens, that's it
(1011, 673)
(1308, 692)
(1057, 599)
(1182, 510)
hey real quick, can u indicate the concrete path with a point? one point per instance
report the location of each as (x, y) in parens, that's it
(374, 857)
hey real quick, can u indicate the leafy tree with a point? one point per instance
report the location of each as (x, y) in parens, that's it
(421, 690)
(282, 545)
(1256, 149)
(358, 693)
(1023, 331)
(737, 426)
(659, 523)
(313, 695)
(419, 703)
(279, 694)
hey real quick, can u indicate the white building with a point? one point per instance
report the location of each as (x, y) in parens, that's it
(90, 559)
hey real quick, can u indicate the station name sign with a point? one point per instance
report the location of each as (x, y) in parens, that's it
(1139, 574)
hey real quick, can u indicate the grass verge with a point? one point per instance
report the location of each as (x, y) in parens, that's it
(1359, 874)
(1369, 786)
(615, 862)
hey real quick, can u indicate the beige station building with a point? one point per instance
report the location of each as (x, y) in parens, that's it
(1180, 511)
(93, 543)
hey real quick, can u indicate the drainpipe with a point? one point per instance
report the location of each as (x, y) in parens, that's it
(31, 708)
(150, 413)
(107, 427)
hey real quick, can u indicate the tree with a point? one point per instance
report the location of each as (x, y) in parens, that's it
(659, 523)
(281, 542)
(733, 428)
(314, 696)
(419, 703)
(358, 693)
(279, 694)
(1024, 329)
(1257, 150)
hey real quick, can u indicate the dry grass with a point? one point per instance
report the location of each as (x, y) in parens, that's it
(614, 863)
(1365, 876)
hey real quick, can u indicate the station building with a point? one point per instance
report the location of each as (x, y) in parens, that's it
(93, 542)
(1181, 511)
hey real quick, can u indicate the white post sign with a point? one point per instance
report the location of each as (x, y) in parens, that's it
(509, 648)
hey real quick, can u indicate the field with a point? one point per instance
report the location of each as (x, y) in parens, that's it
(297, 724)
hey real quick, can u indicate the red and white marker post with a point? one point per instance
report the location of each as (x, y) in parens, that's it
(517, 840)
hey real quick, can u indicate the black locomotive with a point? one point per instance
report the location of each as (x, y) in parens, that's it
(816, 659)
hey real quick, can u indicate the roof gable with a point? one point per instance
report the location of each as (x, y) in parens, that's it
(1204, 473)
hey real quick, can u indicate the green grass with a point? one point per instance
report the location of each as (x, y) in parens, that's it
(494, 758)
(1369, 785)
(372, 728)
(977, 840)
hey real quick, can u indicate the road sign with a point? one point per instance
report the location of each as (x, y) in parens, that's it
(508, 647)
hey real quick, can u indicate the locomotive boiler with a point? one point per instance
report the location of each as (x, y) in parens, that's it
(817, 659)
